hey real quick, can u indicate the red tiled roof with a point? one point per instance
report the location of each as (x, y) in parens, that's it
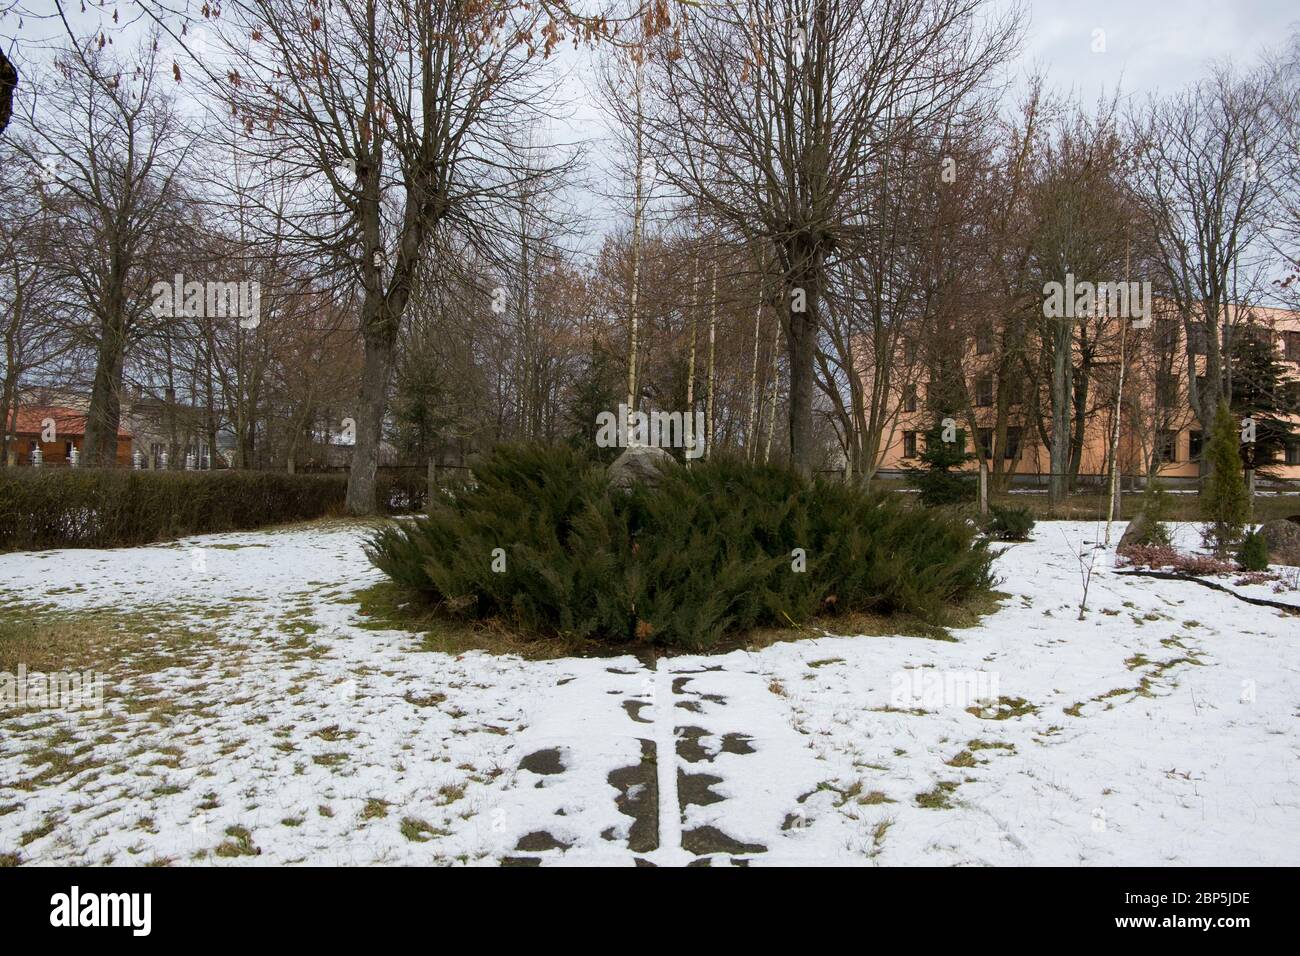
(67, 421)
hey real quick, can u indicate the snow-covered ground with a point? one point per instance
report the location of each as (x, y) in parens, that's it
(1162, 728)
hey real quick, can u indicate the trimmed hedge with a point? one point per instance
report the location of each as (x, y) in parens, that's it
(540, 543)
(102, 508)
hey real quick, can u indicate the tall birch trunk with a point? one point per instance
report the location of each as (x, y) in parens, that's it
(751, 438)
(713, 335)
(639, 160)
(690, 362)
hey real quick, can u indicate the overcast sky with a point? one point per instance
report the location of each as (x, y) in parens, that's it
(1145, 47)
(1150, 44)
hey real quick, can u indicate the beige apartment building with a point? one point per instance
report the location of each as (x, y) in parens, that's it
(1159, 434)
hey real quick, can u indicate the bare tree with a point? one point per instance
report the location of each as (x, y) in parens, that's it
(393, 120)
(1204, 180)
(1078, 235)
(34, 324)
(107, 146)
(767, 108)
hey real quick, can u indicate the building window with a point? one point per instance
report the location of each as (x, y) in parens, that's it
(1166, 389)
(984, 391)
(1293, 452)
(1010, 449)
(1291, 346)
(909, 351)
(909, 398)
(1013, 443)
(1258, 334)
(909, 444)
(983, 340)
(1167, 446)
(1015, 388)
(1166, 334)
(1194, 441)
(1200, 338)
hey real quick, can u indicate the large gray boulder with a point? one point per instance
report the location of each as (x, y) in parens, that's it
(639, 463)
(1282, 535)
(1137, 533)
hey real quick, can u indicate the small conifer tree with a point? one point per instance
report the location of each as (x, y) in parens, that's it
(1225, 503)
(939, 481)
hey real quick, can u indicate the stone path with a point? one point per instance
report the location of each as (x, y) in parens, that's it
(699, 785)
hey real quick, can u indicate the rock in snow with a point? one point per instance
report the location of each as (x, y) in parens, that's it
(639, 463)
(1282, 536)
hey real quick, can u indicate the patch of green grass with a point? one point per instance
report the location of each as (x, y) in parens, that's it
(239, 844)
(450, 793)
(419, 831)
(977, 745)
(144, 640)
(386, 607)
(35, 833)
(878, 836)
(424, 700)
(332, 733)
(1004, 709)
(374, 809)
(939, 798)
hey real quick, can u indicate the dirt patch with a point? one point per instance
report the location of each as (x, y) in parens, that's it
(638, 798)
(544, 762)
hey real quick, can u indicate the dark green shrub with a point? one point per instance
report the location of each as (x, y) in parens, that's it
(104, 508)
(539, 542)
(1252, 554)
(1009, 523)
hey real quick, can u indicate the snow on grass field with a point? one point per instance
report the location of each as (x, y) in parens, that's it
(253, 715)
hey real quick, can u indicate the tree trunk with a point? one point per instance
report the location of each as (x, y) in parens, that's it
(709, 377)
(1063, 337)
(691, 437)
(370, 420)
(801, 344)
(751, 434)
(771, 415)
(433, 483)
(636, 265)
(1113, 511)
(105, 411)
